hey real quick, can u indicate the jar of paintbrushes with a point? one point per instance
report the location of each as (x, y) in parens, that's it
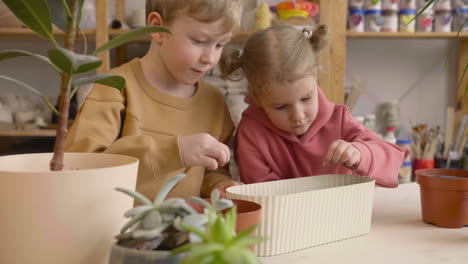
(424, 145)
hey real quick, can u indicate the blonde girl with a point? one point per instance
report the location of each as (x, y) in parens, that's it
(290, 129)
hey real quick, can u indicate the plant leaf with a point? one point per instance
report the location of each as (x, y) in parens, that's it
(151, 220)
(13, 53)
(59, 13)
(35, 14)
(138, 210)
(183, 248)
(30, 88)
(73, 62)
(168, 187)
(195, 220)
(220, 232)
(107, 79)
(59, 58)
(129, 36)
(194, 230)
(200, 201)
(223, 204)
(214, 196)
(200, 251)
(149, 234)
(133, 221)
(138, 196)
(231, 218)
(249, 257)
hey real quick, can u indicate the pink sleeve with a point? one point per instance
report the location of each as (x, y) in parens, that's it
(380, 160)
(252, 166)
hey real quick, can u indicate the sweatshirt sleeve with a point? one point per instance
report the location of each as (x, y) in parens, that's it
(221, 176)
(253, 167)
(380, 160)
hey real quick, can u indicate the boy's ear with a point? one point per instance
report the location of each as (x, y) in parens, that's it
(155, 19)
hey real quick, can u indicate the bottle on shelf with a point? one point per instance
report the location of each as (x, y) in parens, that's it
(390, 135)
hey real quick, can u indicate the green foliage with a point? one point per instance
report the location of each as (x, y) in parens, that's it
(217, 241)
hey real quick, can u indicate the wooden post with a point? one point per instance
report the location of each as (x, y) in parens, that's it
(102, 33)
(462, 62)
(333, 58)
(121, 51)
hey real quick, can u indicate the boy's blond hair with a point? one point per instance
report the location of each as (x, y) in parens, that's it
(280, 54)
(202, 10)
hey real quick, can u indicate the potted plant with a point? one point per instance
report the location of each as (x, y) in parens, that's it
(157, 227)
(71, 214)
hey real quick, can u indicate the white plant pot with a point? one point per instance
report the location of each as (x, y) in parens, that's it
(66, 216)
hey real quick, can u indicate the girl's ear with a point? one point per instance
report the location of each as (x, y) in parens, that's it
(155, 19)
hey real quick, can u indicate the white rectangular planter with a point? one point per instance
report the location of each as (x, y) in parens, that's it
(305, 212)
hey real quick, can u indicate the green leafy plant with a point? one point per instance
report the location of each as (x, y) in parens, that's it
(173, 224)
(66, 15)
(216, 240)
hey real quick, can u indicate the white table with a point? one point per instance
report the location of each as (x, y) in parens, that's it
(397, 236)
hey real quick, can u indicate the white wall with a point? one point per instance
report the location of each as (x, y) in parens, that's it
(423, 69)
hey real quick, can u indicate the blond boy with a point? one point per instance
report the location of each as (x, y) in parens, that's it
(166, 117)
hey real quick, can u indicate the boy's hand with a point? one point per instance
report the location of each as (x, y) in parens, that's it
(222, 189)
(342, 152)
(203, 150)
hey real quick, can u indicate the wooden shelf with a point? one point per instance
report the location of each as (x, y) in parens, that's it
(395, 35)
(27, 34)
(28, 133)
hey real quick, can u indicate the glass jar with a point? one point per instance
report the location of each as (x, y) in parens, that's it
(422, 3)
(356, 20)
(390, 21)
(443, 21)
(460, 16)
(443, 5)
(390, 5)
(425, 21)
(356, 4)
(407, 22)
(373, 4)
(373, 21)
(407, 4)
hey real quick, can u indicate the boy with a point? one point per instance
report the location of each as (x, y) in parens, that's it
(166, 117)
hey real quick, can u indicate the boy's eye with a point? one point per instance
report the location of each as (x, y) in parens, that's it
(280, 107)
(305, 99)
(198, 42)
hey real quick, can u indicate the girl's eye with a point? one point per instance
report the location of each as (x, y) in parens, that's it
(280, 107)
(305, 99)
(219, 46)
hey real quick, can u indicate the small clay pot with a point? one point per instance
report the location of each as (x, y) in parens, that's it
(444, 196)
(248, 213)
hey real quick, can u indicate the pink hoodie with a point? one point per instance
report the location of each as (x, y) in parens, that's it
(266, 153)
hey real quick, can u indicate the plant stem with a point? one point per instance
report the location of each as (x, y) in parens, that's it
(64, 100)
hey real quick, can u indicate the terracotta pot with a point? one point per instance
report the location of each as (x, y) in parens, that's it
(248, 213)
(68, 216)
(123, 255)
(444, 200)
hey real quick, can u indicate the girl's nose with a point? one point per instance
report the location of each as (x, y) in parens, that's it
(297, 114)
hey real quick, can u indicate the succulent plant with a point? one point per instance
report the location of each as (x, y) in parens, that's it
(214, 240)
(151, 222)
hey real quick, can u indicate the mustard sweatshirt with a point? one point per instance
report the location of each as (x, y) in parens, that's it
(145, 123)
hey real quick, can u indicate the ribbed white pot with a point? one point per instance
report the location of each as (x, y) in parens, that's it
(68, 216)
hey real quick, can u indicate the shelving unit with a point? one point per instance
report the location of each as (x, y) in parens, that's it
(333, 60)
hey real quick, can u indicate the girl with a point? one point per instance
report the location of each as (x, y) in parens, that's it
(290, 129)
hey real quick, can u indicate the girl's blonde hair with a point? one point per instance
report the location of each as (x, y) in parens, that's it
(280, 54)
(202, 10)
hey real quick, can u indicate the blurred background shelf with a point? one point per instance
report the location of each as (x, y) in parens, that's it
(28, 133)
(13, 34)
(408, 35)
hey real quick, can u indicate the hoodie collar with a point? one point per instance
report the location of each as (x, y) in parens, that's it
(325, 111)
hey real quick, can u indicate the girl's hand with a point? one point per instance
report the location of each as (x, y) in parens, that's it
(203, 150)
(342, 152)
